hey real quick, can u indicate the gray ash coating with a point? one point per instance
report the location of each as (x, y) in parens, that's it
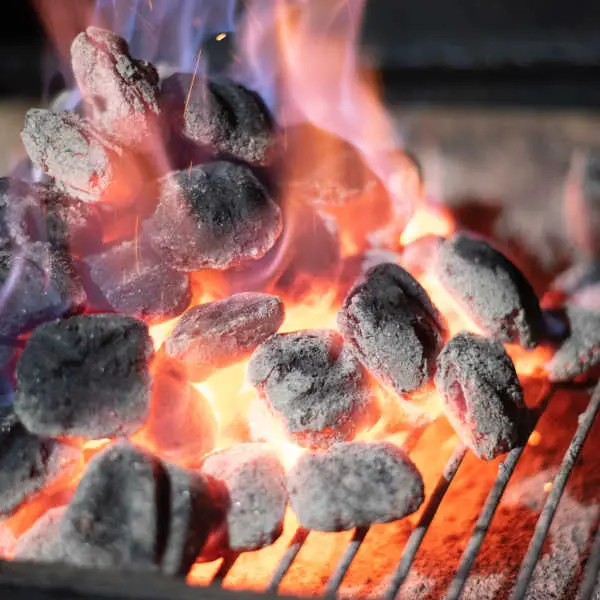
(213, 216)
(256, 496)
(481, 394)
(354, 484)
(491, 289)
(221, 115)
(42, 542)
(121, 91)
(28, 463)
(71, 151)
(313, 384)
(393, 327)
(20, 215)
(579, 352)
(218, 334)
(130, 511)
(85, 376)
(38, 285)
(130, 279)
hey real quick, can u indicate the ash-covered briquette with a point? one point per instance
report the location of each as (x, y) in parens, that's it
(481, 394)
(213, 216)
(495, 294)
(393, 327)
(182, 422)
(28, 463)
(312, 382)
(131, 279)
(85, 376)
(38, 285)
(255, 500)
(70, 150)
(20, 215)
(130, 511)
(121, 91)
(354, 484)
(221, 115)
(218, 334)
(579, 351)
(42, 543)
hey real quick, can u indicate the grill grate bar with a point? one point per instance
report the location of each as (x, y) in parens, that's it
(416, 537)
(505, 471)
(591, 572)
(586, 420)
(342, 568)
(288, 558)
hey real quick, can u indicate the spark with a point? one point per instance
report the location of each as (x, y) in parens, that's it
(221, 37)
(547, 486)
(193, 82)
(535, 438)
(190, 169)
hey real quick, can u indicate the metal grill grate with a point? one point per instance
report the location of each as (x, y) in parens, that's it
(505, 472)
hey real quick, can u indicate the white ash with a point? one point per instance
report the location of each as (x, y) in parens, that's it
(579, 352)
(354, 484)
(481, 394)
(121, 91)
(393, 327)
(218, 334)
(256, 496)
(313, 384)
(491, 289)
(28, 463)
(85, 376)
(131, 279)
(213, 216)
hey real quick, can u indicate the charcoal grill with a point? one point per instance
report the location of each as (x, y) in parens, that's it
(20, 581)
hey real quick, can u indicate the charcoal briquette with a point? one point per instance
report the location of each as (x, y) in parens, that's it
(579, 351)
(85, 376)
(481, 394)
(38, 284)
(354, 484)
(131, 279)
(312, 382)
(28, 463)
(130, 511)
(393, 327)
(42, 542)
(256, 496)
(494, 293)
(221, 115)
(218, 334)
(20, 215)
(8, 355)
(213, 216)
(121, 91)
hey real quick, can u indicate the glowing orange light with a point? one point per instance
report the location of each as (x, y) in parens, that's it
(535, 438)
(547, 486)
(221, 37)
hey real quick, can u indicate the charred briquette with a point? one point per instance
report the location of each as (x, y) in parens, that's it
(181, 421)
(38, 285)
(28, 463)
(255, 500)
(218, 334)
(70, 150)
(121, 91)
(132, 512)
(354, 484)
(42, 542)
(131, 279)
(221, 115)
(313, 383)
(85, 376)
(213, 216)
(481, 394)
(495, 294)
(7, 363)
(579, 351)
(393, 327)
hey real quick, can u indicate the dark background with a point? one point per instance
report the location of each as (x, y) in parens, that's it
(521, 52)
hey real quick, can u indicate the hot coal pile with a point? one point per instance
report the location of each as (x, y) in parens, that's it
(354, 484)
(313, 383)
(482, 395)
